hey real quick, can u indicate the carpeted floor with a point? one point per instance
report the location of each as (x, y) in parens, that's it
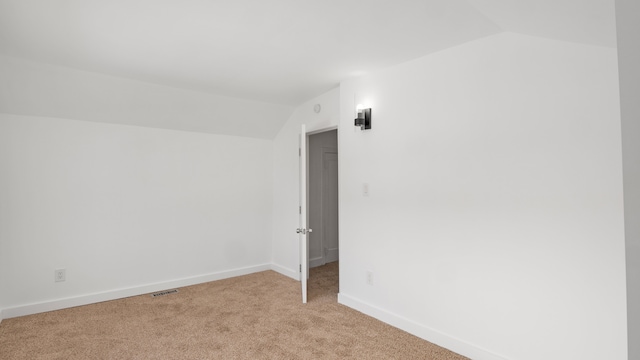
(258, 316)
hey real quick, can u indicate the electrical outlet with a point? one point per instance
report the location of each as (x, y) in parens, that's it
(370, 278)
(60, 275)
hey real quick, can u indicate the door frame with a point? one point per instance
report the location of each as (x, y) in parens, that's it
(309, 133)
(319, 154)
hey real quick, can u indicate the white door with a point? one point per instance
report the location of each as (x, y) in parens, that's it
(302, 229)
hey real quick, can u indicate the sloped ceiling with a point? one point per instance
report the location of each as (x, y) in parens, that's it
(277, 51)
(583, 21)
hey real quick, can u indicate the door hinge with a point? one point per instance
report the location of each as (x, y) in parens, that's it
(299, 209)
(300, 267)
(299, 151)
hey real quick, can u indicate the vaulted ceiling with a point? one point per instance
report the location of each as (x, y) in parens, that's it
(277, 51)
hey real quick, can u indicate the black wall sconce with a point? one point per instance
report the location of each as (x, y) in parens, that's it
(364, 119)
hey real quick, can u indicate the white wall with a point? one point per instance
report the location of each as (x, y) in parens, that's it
(286, 248)
(494, 224)
(37, 89)
(629, 63)
(125, 210)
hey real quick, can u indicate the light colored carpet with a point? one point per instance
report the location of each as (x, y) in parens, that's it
(258, 316)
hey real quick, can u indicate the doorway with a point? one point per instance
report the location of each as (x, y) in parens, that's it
(322, 203)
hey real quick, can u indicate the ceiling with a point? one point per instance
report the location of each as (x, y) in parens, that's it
(277, 51)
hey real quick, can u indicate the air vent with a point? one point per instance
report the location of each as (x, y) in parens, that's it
(163, 293)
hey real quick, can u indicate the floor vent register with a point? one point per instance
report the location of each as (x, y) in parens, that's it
(163, 293)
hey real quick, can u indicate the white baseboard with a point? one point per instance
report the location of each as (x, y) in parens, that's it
(316, 262)
(58, 304)
(332, 255)
(295, 275)
(419, 330)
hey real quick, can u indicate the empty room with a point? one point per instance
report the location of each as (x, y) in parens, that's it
(416, 179)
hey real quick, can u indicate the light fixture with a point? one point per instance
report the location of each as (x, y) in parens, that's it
(364, 119)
